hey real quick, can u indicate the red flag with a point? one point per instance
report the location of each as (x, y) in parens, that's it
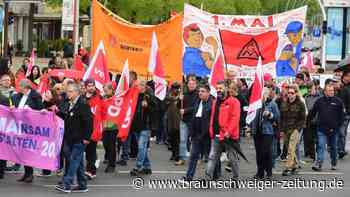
(127, 112)
(241, 49)
(98, 68)
(255, 100)
(155, 66)
(31, 63)
(78, 64)
(96, 109)
(43, 86)
(68, 73)
(124, 81)
(217, 74)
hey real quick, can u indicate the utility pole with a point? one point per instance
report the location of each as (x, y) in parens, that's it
(324, 35)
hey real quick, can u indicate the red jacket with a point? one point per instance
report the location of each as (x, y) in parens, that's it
(95, 103)
(229, 116)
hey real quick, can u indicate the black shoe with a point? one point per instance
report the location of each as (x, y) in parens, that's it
(63, 189)
(135, 172)
(29, 179)
(228, 168)
(79, 190)
(109, 169)
(294, 171)
(172, 158)
(342, 155)
(122, 163)
(104, 162)
(258, 177)
(286, 173)
(317, 168)
(146, 171)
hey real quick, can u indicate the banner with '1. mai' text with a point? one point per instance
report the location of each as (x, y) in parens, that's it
(31, 138)
(276, 39)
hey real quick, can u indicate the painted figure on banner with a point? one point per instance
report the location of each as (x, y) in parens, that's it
(290, 57)
(196, 60)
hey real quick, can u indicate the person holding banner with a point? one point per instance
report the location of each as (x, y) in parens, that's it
(5, 84)
(78, 126)
(27, 98)
(109, 134)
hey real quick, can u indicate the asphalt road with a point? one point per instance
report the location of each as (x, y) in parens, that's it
(121, 184)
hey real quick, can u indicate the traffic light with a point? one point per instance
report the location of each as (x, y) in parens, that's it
(324, 27)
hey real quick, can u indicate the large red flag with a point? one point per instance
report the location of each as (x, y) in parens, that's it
(255, 100)
(127, 112)
(242, 49)
(98, 68)
(155, 66)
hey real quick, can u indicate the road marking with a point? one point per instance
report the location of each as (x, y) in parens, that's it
(156, 172)
(314, 173)
(96, 185)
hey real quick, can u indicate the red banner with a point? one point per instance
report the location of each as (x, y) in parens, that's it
(120, 110)
(68, 73)
(243, 49)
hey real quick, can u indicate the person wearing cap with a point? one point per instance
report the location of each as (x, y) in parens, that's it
(344, 95)
(300, 81)
(290, 57)
(94, 100)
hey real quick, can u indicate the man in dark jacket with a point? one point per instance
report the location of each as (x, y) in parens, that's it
(141, 128)
(27, 98)
(344, 95)
(292, 121)
(190, 97)
(199, 128)
(78, 126)
(330, 111)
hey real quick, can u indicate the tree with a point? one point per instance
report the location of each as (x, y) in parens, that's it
(156, 11)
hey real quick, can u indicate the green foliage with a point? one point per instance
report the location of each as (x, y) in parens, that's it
(155, 11)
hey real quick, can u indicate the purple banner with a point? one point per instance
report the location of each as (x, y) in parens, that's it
(31, 138)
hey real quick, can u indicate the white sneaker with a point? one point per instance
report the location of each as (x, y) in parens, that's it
(223, 157)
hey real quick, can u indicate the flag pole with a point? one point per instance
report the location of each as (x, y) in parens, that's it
(222, 50)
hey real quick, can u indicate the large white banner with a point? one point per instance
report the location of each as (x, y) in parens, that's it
(68, 15)
(277, 39)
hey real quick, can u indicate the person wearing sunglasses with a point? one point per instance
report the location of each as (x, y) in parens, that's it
(292, 121)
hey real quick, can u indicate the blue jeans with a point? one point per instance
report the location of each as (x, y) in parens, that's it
(183, 140)
(274, 150)
(142, 161)
(324, 139)
(75, 154)
(342, 135)
(214, 164)
(196, 150)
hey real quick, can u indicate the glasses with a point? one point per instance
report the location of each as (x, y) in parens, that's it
(291, 93)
